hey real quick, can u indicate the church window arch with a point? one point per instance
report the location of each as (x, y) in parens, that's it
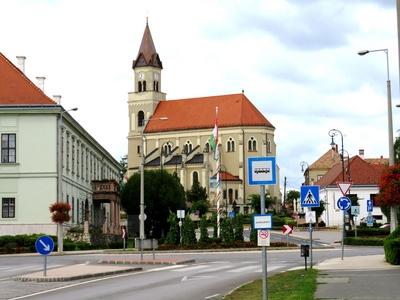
(140, 86)
(144, 85)
(188, 147)
(195, 177)
(252, 144)
(140, 118)
(230, 145)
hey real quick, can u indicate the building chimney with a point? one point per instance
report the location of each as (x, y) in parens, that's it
(21, 63)
(57, 98)
(361, 153)
(40, 82)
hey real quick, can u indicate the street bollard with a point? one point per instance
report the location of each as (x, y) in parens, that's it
(305, 252)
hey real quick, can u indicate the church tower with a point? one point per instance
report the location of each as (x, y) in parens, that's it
(146, 95)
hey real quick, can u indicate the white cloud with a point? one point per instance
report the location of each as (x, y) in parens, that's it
(296, 61)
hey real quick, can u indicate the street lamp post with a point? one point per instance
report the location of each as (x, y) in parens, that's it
(393, 213)
(306, 171)
(332, 133)
(59, 175)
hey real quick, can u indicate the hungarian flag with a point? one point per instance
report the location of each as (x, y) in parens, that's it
(214, 134)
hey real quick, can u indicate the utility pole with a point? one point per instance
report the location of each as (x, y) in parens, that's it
(284, 192)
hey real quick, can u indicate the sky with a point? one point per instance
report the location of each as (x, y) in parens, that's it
(296, 60)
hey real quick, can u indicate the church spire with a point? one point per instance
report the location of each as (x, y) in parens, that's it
(147, 55)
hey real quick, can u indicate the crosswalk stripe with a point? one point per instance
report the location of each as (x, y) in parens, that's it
(244, 269)
(190, 268)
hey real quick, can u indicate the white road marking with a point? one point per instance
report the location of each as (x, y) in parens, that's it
(212, 296)
(190, 268)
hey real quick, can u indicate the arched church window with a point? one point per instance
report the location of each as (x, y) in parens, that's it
(140, 118)
(230, 145)
(140, 86)
(195, 177)
(144, 85)
(252, 144)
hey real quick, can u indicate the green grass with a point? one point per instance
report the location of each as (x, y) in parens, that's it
(291, 285)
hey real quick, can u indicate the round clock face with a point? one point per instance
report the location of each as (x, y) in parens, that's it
(141, 75)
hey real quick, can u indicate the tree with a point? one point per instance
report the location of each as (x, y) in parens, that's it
(124, 166)
(227, 232)
(60, 214)
(254, 199)
(397, 151)
(291, 199)
(203, 230)
(389, 193)
(173, 232)
(197, 195)
(238, 228)
(188, 232)
(162, 193)
(214, 221)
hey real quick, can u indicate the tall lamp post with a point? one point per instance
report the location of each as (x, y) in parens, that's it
(306, 171)
(393, 214)
(142, 163)
(59, 175)
(332, 133)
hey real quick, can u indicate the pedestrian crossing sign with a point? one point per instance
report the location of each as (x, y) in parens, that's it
(309, 195)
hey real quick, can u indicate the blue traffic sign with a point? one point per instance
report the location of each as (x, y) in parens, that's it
(309, 195)
(262, 170)
(44, 245)
(344, 203)
(370, 205)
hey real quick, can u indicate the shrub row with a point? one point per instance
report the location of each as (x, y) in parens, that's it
(367, 231)
(363, 241)
(392, 247)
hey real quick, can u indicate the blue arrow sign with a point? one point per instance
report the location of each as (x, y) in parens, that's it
(44, 245)
(370, 205)
(344, 203)
(309, 195)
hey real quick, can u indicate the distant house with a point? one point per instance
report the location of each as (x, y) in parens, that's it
(34, 157)
(364, 175)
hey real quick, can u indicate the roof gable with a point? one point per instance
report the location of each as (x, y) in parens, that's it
(326, 161)
(147, 55)
(199, 113)
(16, 88)
(360, 172)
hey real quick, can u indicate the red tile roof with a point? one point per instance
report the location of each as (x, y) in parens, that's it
(361, 173)
(16, 88)
(226, 176)
(199, 113)
(326, 161)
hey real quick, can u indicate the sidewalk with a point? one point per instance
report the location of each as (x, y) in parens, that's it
(358, 277)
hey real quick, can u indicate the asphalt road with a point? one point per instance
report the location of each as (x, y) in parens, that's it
(213, 275)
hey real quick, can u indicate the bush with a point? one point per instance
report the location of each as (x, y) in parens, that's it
(203, 230)
(373, 241)
(367, 231)
(392, 247)
(238, 229)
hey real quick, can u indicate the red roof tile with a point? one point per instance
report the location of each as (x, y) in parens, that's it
(199, 113)
(226, 176)
(361, 173)
(16, 88)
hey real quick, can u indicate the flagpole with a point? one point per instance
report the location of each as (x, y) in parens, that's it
(219, 193)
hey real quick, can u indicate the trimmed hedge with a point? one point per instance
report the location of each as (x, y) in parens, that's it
(392, 247)
(372, 241)
(366, 231)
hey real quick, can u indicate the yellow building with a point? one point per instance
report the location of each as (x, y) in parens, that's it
(176, 133)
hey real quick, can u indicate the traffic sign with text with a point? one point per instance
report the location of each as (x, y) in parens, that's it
(309, 195)
(263, 238)
(262, 221)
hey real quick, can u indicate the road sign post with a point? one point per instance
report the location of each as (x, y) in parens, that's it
(181, 215)
(44, 246)
(309, 195)
(343, 203)
(262, 171)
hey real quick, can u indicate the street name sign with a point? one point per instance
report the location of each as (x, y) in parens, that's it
(180, 213)
(309, 195)
(44, 245)
(344, 203)
(262, 222)
(263, 238)
(261, 170)
(344, 187)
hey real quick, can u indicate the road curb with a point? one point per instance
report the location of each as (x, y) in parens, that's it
(25, 278)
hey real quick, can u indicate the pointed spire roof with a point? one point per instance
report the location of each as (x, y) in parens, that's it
(147, 55)
(17, 89)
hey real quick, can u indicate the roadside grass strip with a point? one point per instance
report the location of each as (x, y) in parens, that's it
(290, 285)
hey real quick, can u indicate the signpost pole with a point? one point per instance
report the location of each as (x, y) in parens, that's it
(45, 266)
(355, 226)
(264, 249)
(343, 228)
(310, 229)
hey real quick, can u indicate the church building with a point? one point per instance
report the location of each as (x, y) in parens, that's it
(175, 134)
